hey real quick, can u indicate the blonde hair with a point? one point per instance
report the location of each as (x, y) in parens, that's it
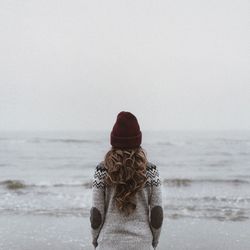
(126, 171)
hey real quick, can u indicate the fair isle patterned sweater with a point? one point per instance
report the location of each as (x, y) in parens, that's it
(112, 230)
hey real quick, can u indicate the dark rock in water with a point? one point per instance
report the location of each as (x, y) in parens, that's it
(14, 184)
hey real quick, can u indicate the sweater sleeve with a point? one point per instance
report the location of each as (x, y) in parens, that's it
(97, 211)
(155, 202)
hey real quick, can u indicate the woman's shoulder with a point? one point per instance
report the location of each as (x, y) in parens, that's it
(99, 175)
(151, 166)
(100, 170)
(152, 174)
(152, 169)
(100, 167)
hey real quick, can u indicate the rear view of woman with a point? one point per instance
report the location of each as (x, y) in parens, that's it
(126, 212)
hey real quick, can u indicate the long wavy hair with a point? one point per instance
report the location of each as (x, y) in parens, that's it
(126, 171)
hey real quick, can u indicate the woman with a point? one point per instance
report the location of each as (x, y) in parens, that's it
(126, 208)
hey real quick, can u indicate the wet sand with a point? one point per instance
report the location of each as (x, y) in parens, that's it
(29, 232)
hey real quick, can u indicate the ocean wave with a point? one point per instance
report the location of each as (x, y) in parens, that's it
(57, 212)
(178, 182)
(232, 141)
(166, 143)
(219, 208)
(229, 215)
(218, 153)
(59, 140)
(173, 212)
(20, 184)
(174, 182)
(206, 199)
(49, 140)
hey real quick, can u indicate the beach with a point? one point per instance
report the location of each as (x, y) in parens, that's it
(46, 178)
(64, 233)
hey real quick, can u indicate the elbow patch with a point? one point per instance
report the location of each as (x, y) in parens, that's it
(156, 217)
(95, 218)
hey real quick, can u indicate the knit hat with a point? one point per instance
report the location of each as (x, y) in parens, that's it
(126, 131)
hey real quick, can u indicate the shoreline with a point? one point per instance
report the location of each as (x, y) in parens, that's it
(42, 232)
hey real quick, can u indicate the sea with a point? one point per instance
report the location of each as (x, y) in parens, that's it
(204, 174)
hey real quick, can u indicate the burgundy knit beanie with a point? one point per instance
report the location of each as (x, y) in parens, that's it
(126, 131)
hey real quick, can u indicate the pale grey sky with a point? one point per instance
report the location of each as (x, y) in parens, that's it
(179, 64)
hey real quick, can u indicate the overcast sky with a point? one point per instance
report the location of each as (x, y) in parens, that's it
(180, 64)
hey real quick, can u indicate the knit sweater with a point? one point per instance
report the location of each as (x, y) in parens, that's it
(112, 230)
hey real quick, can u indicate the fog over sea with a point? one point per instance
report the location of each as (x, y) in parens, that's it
(205, 176)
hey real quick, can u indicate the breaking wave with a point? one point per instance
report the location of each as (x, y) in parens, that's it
(19, 184)
(178, 182)
(174, 182)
